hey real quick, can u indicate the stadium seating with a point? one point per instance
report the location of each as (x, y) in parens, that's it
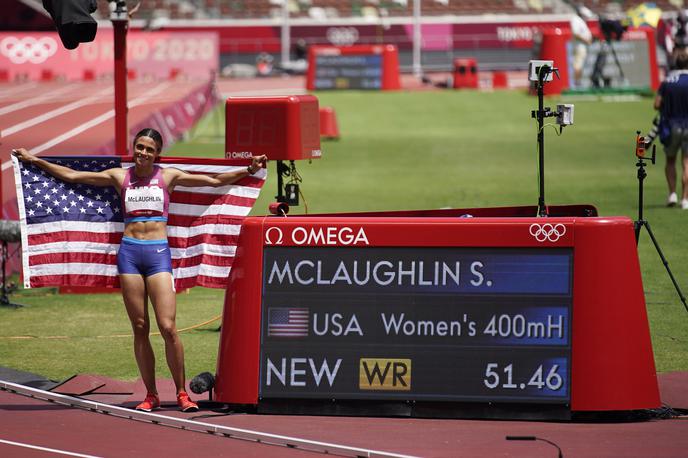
(328, 9)
(616, 7)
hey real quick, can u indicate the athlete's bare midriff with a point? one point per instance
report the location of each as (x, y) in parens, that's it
(146, 230)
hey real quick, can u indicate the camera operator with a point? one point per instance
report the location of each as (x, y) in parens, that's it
(612, 30)
(680, 38)
(672, 103)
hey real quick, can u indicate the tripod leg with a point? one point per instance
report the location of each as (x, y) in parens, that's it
(618, 64)
(636, 228)
(666, 265)
(597, 67)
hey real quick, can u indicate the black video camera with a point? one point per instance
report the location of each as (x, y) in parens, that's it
(612, 29)
(73, 20)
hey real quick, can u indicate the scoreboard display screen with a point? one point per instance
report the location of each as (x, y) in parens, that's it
(257, 126)
(416, 323)
(358, 71)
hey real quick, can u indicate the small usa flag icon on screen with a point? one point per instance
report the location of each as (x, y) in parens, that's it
(288, 322)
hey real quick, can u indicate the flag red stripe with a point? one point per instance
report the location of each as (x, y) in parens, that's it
(213, 239)
(116, 237)
(75, 236)
(201, 280)
(207, 259)
(197, 198)
(41, 281)
(246, 182)
(66, 257)
(111, 259)
(191, 221)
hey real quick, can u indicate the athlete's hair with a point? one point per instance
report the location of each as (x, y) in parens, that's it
(150, 133)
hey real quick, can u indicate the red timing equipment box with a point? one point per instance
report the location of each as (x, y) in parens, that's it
(281, 127)
(465, 73)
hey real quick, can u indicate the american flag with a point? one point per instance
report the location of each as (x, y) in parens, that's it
(71, 232)
(288, 322)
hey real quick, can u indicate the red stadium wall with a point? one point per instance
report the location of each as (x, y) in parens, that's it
(239, 38)
(503, 43)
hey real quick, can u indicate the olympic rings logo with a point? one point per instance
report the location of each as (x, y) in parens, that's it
(28, 49)
(342, 36)
(547, 231)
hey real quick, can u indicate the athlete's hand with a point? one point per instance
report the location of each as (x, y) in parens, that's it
(23, 155)
(257, 162)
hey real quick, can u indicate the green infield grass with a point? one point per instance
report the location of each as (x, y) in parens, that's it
(399, 150)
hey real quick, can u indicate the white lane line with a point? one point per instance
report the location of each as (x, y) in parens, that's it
(46, 449)
(192, 425)
(35, 100)
(16, 89)
(54, 113)
(93, 122)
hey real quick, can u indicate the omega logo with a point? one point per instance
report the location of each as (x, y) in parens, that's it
(274, 236)
(239, 155)
(317, 236)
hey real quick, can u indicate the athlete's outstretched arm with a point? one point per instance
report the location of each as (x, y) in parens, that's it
(182, 178)
(109, 177)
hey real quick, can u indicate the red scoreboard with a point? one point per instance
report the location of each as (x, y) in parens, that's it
(477, 312)
(374, 67)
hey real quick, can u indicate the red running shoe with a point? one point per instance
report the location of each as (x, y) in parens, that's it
(185, 404)
(151, 402)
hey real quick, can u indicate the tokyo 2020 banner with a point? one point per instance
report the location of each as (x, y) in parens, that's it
(150, 54)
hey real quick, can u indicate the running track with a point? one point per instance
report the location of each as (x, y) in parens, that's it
(61, 118)
(26, 421)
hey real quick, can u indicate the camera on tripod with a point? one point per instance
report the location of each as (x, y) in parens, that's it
(612, 29)
(640, 153)
(540, 72)
(118, 10)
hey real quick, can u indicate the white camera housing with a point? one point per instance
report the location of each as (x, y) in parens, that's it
(565, 114)
(534, 69)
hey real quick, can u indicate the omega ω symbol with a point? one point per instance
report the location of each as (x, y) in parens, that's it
(274, 236)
